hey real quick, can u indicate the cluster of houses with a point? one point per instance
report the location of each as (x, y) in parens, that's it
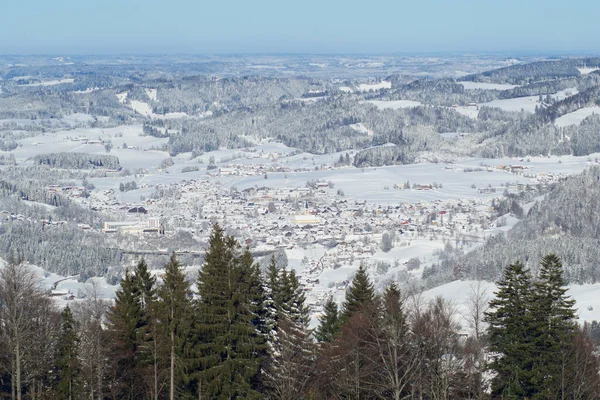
(266, 218)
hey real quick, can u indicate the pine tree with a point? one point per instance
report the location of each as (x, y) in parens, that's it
(329, 323)
(272, 291)
(292, 354)
(230, 346)
(125, 318)
(67, 363)
(146, 284)
(510, 334)
(554, 327)
(292, 299)
(291, 370)
(175, 315)
(360, 295)
(146, 357)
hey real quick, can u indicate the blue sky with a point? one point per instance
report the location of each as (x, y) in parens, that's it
(305, 26)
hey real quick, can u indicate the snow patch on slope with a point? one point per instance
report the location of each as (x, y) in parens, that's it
(365, 87)
(576, 117)
(360, 127)
(486, 86)
(394, 104)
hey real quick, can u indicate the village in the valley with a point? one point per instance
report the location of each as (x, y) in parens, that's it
(324, 232)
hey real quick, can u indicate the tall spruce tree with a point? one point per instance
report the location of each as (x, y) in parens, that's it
(175, 316)
(554, 329)
(230, 346)
(67, 368)
(329, 323)
(511, 334)
(125, 318)
(292, 358)
(147, 338)
(360, 295)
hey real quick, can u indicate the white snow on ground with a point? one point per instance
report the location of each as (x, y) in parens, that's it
(469, 111)
(486, 86)
(88, 90)
(152, 94)
(527, 103)
(585, 71)
(365, 87)
(145, 109)
(576, 117)
(51, 83)
(563, 94)
(520, 103)
(138, 157)
(360, 127)
(394, 104)
(458, 292)
(141, 108)
(122, 97)
(346, 89)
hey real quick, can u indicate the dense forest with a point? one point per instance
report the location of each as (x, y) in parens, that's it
(240, 332)
(565, 222)
(312, 114)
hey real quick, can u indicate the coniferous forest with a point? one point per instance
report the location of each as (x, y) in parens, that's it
(241, 332)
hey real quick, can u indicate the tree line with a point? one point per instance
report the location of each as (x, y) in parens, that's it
(239, 332)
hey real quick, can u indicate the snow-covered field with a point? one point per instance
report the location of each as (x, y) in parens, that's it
(486, 86)
(394, 104)
(576, 117)
(469, 111)
(360, 127)
(585, 71)
(517, 104)
(50, 83)
(152, 94)
(365, 87)
(145, 109)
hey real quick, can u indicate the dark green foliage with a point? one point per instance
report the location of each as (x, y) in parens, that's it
(554, 326)
(510, 335)
(360, 294)
(125, 318)
(67, 367)
(230, 345)
(329, 322)
(174, 312)
(532, 330)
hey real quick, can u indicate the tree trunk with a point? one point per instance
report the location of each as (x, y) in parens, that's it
(172, 390)
(18, 362)
(155, 365)
(12, 380)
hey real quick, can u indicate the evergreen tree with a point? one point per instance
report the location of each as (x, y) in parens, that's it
(125, 318)
(555, 329)
(175, 314)
(292, 355)
(147, 352)
(230, 345)
(510, 334)
(67, 362)
(360, 295)
(291, 370)
(272, 291)
(397, 360)
(146, 284)
(329, 323)
(293, 299)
